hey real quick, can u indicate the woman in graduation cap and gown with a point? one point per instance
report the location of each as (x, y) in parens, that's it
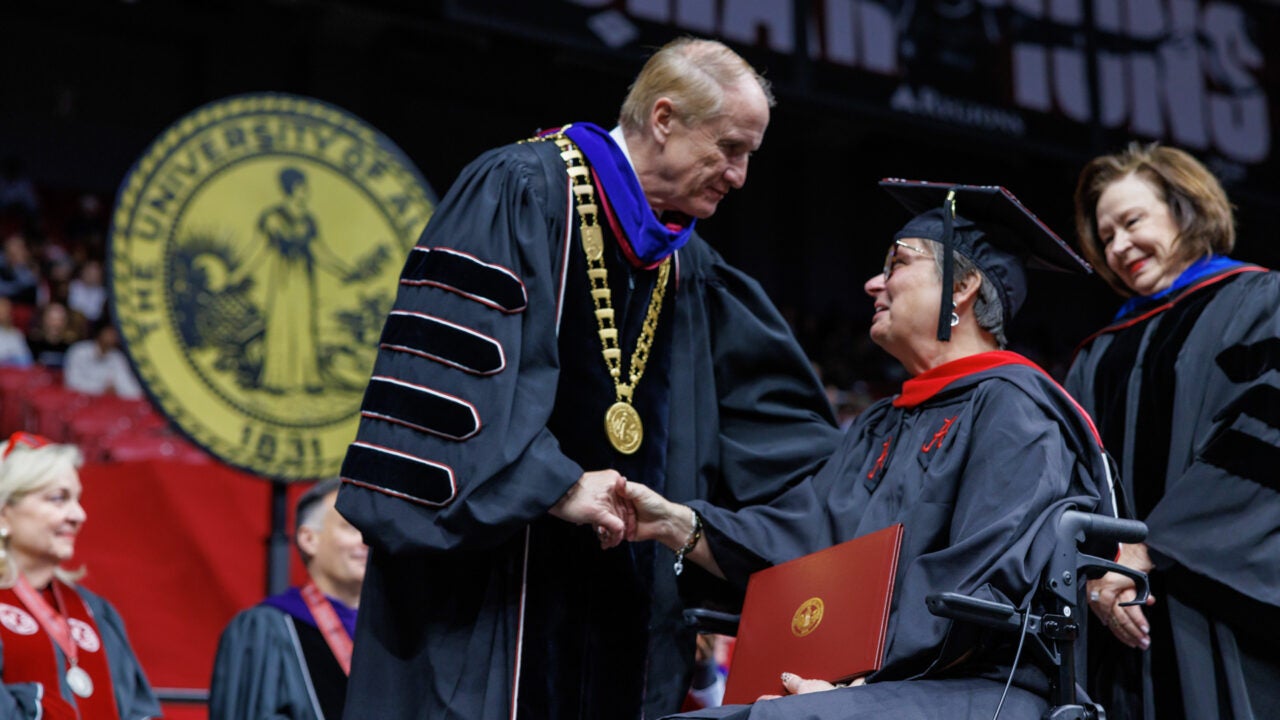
(1184, 388)
(63, 650)
(977, 457)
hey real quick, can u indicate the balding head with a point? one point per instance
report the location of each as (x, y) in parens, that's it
(694, 75)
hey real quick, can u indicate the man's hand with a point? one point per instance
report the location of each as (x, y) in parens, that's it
(592, 501)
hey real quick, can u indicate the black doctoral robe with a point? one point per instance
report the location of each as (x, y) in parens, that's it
(1186, 393)
(977, 459)
(488, 403)
(273, 665)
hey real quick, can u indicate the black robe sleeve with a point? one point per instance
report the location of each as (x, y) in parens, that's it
(20, 701)
(774, 428)
(256, 673)
(1219, 514)
(453, 451)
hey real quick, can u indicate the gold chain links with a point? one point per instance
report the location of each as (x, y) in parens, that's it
(621, 421)
(593, 247)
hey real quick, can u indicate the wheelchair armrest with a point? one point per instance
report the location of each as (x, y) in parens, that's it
(1069, 564)
(955, 606)
(1140, 584)
(712, 621)
(1098, 528)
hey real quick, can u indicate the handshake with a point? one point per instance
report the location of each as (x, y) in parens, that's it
(621, 510)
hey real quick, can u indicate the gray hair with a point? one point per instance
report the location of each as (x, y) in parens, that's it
(307, 512)
(987, 310)
(693, 74)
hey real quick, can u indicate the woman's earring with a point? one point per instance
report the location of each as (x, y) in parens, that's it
(955, 319)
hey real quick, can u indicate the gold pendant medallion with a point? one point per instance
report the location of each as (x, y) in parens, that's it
(622, 424)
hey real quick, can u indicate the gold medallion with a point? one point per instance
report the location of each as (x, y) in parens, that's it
(622, 424)
(807, 617)
(254, 255)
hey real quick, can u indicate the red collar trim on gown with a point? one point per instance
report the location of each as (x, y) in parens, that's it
(929, 383)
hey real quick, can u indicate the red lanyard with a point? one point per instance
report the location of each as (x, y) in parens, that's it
(50, 620)
(335, 635)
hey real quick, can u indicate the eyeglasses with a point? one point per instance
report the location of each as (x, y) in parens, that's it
(31, 441)
(892, 251)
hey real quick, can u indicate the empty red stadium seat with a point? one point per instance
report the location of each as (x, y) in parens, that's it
(48, 409)
(15, 383)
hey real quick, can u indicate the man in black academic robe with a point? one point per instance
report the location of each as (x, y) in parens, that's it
(274, 660)
(481, 472)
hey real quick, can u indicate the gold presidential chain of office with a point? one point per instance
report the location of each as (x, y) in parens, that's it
(621, 421)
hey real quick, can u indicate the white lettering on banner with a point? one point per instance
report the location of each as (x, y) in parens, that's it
(1183, 71)
(1194, 85)
(857, 34)
(745, 19)
(928, 102)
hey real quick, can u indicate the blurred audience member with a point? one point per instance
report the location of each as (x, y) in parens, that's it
(56, 282)
(88, 226)
(87, 294)
(288, 658)
(706, 689)
(14, 351)
(98, 367)
(17, 192)
(64, 650)
(18, 274)
(52, 335)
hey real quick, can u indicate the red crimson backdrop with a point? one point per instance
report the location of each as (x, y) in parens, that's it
(178, 548)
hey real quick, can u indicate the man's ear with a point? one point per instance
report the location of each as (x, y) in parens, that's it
(661, 116)
(308, 541)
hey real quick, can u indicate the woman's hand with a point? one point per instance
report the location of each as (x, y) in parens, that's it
(1128, 624)
(649, 516)
(796, 685)
(653, 517)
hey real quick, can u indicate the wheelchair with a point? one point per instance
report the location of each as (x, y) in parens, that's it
(1051, 634)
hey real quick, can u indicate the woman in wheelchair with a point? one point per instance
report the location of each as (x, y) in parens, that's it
(977, 457)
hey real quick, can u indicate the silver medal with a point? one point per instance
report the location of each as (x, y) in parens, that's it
(79, 681)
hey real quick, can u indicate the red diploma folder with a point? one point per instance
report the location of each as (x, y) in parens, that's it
(820, 616)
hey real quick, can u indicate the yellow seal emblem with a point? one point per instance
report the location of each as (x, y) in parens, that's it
(807, 617)
(254, 253)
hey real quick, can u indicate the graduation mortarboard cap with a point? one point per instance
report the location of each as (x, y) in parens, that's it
(990, 227)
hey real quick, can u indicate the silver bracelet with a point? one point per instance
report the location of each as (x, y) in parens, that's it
(694, 536)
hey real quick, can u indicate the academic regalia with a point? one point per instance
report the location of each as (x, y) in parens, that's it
(273, 662)
(977, 458)
(488, 403)
(1185, 391)
(127, 686)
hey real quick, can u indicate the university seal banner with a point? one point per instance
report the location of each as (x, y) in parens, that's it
(254, 254)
